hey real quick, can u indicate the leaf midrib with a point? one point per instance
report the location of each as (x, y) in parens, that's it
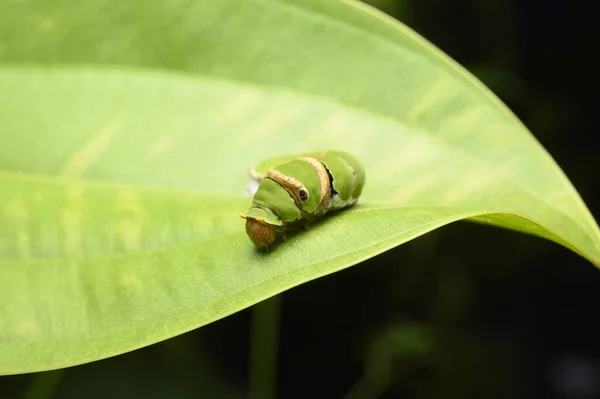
(363, 208)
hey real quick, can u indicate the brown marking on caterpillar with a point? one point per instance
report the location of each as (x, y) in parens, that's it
(291, 185)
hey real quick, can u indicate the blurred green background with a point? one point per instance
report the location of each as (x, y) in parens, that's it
(467, 311)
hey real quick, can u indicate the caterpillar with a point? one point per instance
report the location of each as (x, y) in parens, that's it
(297, 190)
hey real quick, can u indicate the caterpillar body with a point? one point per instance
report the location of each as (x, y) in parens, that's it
(297, 189)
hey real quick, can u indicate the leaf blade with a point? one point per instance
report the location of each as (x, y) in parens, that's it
(120, 194)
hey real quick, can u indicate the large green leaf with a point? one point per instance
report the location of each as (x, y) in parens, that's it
(127, 128)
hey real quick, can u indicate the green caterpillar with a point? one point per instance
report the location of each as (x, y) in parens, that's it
(298, 189)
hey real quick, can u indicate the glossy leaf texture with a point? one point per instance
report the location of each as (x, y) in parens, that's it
(127, 128)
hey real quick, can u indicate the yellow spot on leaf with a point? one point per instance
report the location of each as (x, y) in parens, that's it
(239, 106)
(75, 191)
(128, 200)
(38, 196)
(405, 193)
(264, 127)
(162, 146)
(71, 221)
(91, 151)
(16, 211)
(28, 328)
(335, 127)
(415, 152)
(127, 197)
(461, 125)
(46, 24)
(428, 102)
(23, 238)
(469, 186)
(272, 121)
(130, 234)
(131, 280)
(24, 242)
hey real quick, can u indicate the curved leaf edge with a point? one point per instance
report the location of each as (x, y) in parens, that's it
(438, 55)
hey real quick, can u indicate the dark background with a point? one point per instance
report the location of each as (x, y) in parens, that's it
(467, 311)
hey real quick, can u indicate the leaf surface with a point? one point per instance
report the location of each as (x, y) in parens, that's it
(127, 130)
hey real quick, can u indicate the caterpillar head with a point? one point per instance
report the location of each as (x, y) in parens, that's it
(262, 226)
(261, 234)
